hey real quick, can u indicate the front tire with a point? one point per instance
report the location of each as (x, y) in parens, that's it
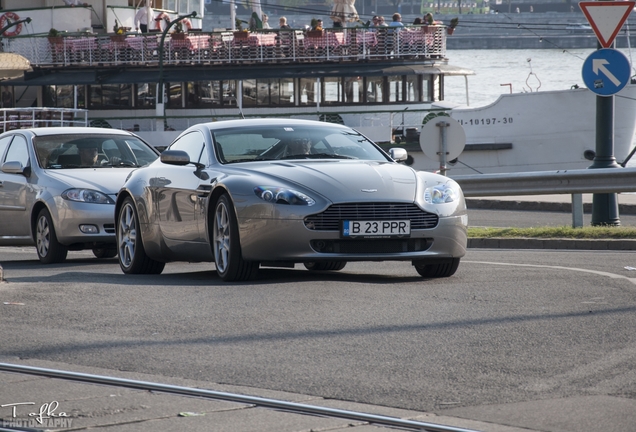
(130, 247)
(50, 250)
(325, 265)
(437, 269)
(226, 244)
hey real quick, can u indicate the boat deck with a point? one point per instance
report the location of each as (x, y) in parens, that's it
(271, 46)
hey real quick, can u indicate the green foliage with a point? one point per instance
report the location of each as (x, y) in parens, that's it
(54, 33)
(454, 22)
(592, 232)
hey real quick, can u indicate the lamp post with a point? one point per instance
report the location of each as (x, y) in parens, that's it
(160, 110)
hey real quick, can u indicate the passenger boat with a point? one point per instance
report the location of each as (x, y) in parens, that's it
(385, 84)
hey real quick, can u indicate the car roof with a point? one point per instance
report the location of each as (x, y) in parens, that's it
(268, 122)
(74, 130)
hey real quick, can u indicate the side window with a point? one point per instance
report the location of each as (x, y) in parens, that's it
(4, 143)
(18, 151)
(193, 145)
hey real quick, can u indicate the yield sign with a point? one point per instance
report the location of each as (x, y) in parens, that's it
(606, 18)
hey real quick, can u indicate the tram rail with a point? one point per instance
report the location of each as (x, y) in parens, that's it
(293, 407)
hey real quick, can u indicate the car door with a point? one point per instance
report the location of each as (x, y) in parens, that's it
(14, 189)
(176, 194)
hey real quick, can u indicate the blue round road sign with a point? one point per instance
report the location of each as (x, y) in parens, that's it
(606, 71)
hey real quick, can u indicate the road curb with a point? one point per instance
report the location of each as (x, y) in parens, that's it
(552, 243)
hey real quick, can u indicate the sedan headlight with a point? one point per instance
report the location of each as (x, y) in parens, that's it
(87, 196)
(441, 193)
(280, 195)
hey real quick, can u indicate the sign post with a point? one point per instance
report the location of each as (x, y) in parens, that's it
(606, 72)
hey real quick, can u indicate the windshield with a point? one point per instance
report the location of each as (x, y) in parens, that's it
(67, 151)
(258, 143)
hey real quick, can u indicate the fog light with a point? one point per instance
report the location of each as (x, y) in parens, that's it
(89, 229)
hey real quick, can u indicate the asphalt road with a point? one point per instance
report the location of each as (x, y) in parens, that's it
(509, 327)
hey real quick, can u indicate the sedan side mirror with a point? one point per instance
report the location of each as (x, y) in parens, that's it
(15, 167)
(175, 157)
(398, 154)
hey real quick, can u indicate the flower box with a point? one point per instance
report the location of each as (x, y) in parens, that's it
(449, 30)
(241, 35)
(178, 36)
(118, 38)
(314, 33)
(56, 40)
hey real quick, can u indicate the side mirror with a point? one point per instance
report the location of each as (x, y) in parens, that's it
(15, 167)
(398, 154)
(175, 157)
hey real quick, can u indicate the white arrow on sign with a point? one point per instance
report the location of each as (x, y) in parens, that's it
(598, 65)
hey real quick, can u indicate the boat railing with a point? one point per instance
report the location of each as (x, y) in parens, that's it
(22, 118)
(267, 46)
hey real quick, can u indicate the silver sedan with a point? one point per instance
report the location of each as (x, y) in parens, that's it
(251, 193)
(58, 187)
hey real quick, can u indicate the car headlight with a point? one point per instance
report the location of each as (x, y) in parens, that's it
(87, 196)
(280, 195)
(441, 193)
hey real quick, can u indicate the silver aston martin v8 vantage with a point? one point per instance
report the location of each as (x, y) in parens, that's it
(263, 192)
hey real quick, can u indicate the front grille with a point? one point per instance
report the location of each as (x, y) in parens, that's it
(379, 246)
(330, 219)
(109, 228)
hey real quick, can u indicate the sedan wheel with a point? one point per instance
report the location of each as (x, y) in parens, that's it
(226, 245)
(325, 265)
(437, 269)
(130, 248)
(49, 249)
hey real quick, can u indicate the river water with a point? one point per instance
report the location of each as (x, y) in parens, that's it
(521, 70)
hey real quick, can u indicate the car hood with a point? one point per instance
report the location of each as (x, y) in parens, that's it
(353, 180)
(107, 180)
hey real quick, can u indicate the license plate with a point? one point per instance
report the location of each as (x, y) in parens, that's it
(370, 228)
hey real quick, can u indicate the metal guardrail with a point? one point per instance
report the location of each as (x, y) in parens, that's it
(573, 182)
(271, 46)
(597, 180)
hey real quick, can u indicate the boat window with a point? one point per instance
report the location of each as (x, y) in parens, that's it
(308, 90)
(331, 91)
(229, 92)
(110, 96)
(203, 94)
(413, 89)
(146, 95)
(354, 90)
(63, 96)
(375, 90)
(175, 95)
(396, 92)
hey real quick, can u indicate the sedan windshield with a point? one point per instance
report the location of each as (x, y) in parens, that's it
(92, 151)
(258, 143)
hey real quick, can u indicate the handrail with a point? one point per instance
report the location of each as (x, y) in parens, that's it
(598, 180)
(573, 182)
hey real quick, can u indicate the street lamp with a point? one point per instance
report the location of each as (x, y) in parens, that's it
(160, 103)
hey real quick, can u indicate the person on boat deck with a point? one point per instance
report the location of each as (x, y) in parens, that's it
(265, 22)
(282, 22)
(418, 21)
(73, 3)
(318, 25)
(397, 21)
(144, 17)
